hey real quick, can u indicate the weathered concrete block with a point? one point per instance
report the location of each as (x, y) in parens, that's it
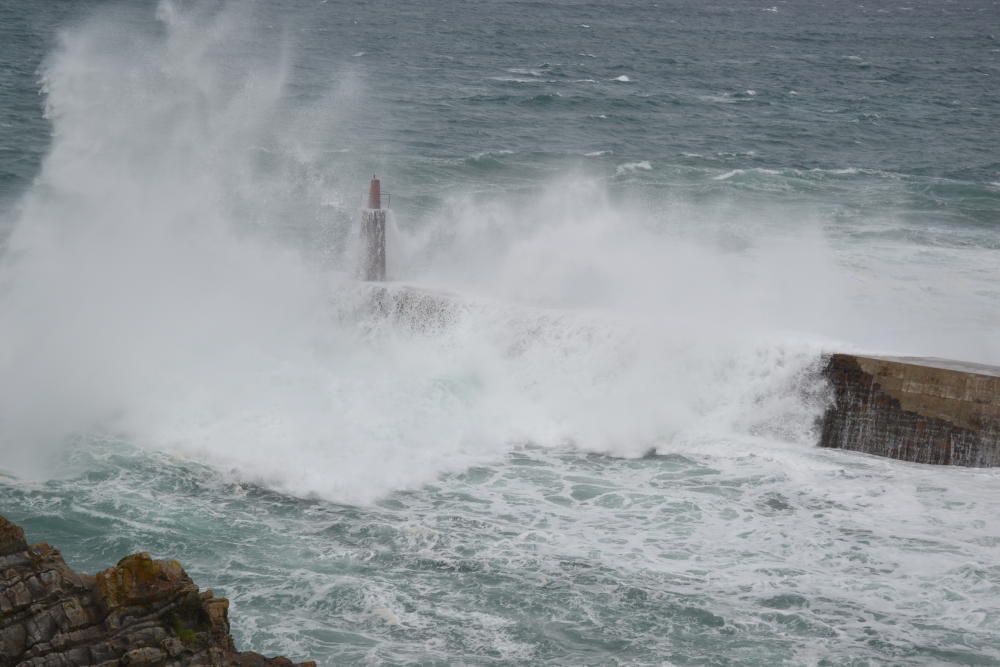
(921, 410)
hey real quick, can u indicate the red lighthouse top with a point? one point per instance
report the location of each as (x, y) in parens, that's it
(375, 193)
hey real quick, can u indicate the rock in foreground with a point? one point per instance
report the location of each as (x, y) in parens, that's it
(920, 410)
(140, 612)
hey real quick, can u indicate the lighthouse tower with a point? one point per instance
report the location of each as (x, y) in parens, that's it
(373, 234)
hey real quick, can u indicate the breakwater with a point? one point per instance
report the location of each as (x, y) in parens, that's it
(914, 409)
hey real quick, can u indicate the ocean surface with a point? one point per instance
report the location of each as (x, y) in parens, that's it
(652, 220)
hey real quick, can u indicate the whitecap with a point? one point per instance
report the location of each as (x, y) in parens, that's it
(846, 171)
(511, 79)
(718, 99)
(490, 154)
(623, 79)
(632, 167)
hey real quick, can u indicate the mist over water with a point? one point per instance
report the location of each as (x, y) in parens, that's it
(620, 396)
(148, 296)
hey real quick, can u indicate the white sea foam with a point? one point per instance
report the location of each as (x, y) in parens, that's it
(531, 71)
(141, 297)
(511, 79)
(623, 78)
(739, 172)
(488, 154)
(725, 98)
(846, 171)
(632, 167)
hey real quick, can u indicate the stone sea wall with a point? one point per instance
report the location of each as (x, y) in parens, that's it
(921, 410)
(140, 612)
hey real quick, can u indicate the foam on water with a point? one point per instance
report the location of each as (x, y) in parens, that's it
(740, 548)
(146, 295)
(632, 167)
(155, 316)
(138, 300)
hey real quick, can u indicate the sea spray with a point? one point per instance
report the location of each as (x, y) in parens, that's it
(150, 293)
(133, 276)
(600, 448)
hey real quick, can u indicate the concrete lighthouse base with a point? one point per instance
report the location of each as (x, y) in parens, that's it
(373, 240)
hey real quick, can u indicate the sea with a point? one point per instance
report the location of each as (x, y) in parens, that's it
(649, 224)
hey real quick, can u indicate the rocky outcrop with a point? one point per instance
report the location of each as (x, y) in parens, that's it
(921, 410)
(140, 612)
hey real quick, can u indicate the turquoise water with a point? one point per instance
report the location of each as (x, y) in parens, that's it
(649, 220)
(791, 556)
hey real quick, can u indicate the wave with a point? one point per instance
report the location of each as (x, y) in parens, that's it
(632, 167)
(509, 79)
(147, 297)
(532, 71)
(488, 159)
(542, 99)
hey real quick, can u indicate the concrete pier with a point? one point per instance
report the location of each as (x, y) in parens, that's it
(920, 410)
(373, 235)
